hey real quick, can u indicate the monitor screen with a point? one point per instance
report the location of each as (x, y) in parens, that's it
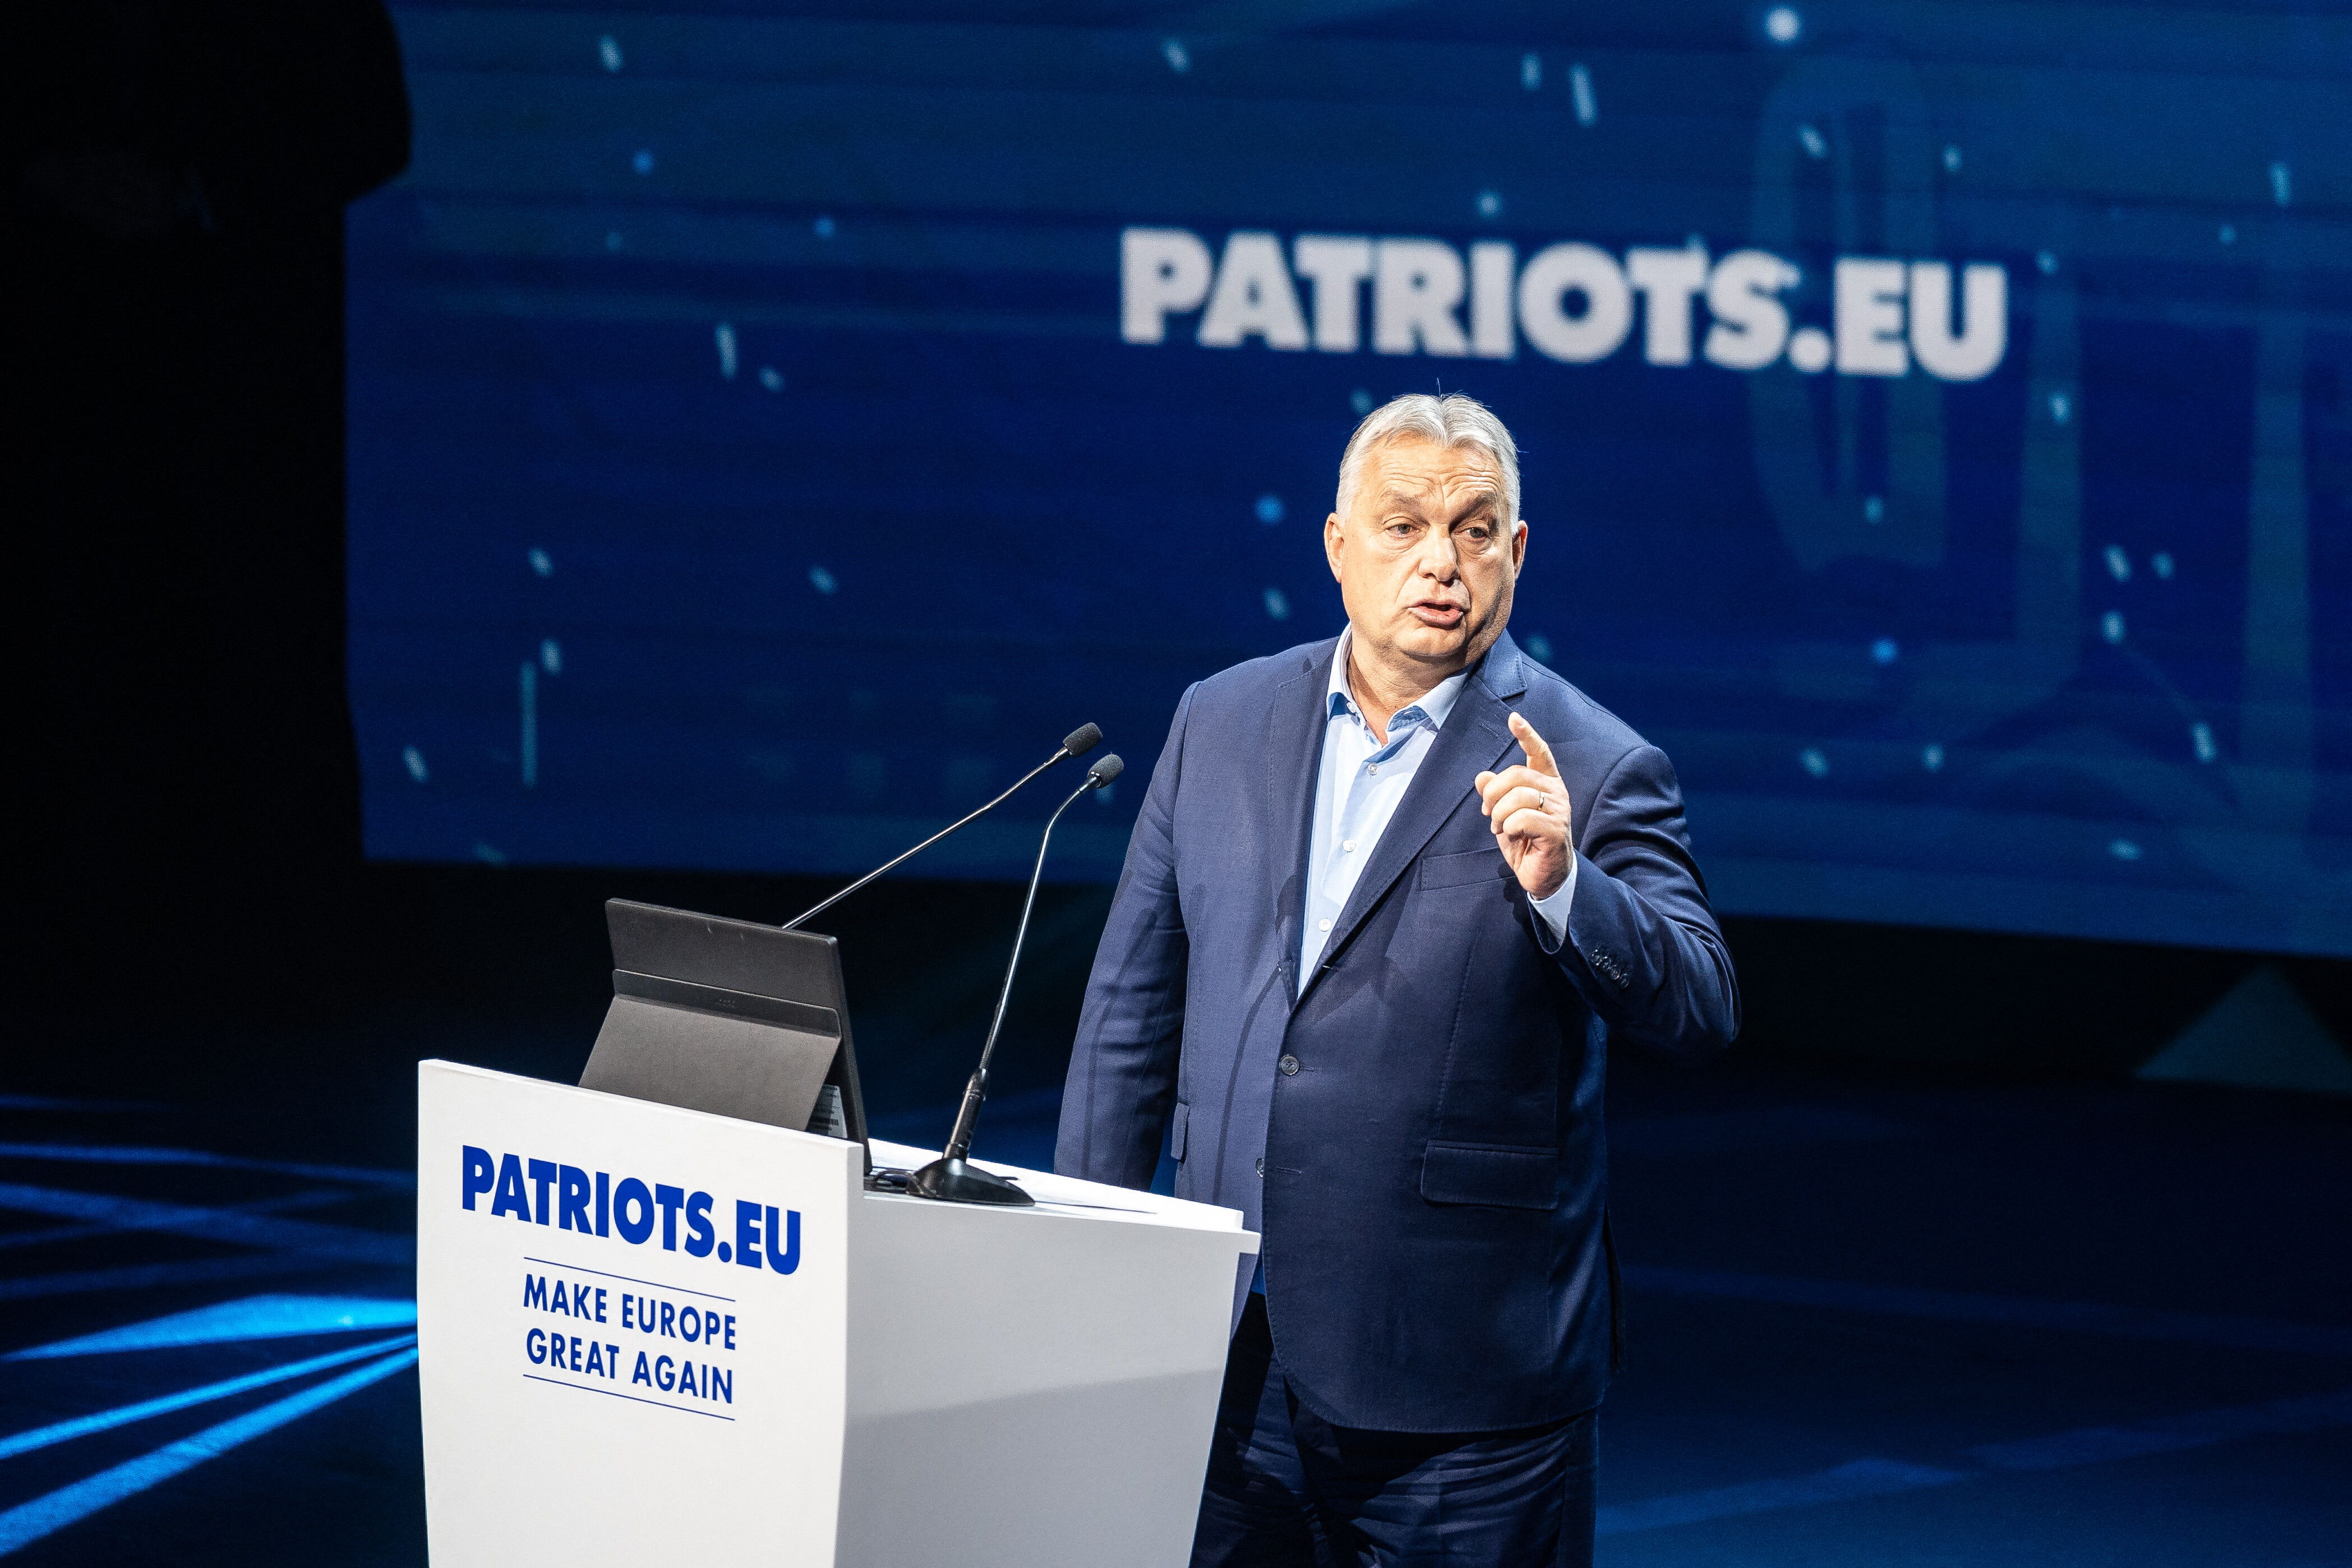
(772, 429)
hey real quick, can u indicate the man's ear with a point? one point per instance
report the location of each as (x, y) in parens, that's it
(1332, 534)
(1519, 546)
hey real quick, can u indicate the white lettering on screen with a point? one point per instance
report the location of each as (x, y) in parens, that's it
(1570, 301)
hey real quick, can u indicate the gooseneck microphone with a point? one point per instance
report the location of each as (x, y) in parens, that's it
(952, 1177)
(1077, 743)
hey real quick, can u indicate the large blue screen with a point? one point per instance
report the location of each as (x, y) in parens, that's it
(770, 433)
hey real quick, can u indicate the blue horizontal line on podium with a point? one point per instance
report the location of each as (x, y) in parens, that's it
(632, 1280)
(635, 1399)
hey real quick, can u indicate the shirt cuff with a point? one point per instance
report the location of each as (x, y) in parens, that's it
(1554, 910)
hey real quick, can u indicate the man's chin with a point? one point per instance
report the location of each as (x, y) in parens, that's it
(1436, 645)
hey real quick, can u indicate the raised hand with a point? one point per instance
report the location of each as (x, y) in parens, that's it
(1527, 807)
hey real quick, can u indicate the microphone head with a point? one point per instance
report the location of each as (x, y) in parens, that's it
(1103, 771)
(1082, 739)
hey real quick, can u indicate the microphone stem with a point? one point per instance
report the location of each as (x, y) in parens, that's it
(960, 1143)
(795, 923)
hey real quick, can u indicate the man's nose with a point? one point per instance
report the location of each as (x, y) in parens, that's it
(1440, 560)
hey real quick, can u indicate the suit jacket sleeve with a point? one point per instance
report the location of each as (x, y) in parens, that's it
(1642, 945)
(1123, 1067)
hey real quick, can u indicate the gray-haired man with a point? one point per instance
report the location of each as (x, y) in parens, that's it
(1388, 899)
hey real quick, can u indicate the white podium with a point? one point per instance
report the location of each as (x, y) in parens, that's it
(657, 1337)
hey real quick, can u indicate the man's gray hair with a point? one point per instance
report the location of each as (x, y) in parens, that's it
(1452, 420)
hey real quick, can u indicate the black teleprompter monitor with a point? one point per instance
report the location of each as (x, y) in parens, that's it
(728, 1017)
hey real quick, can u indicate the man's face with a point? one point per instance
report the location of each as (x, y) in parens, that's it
(1424, 560)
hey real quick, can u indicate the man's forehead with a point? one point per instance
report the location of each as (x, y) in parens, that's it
(1417, 469)
(1416, 455)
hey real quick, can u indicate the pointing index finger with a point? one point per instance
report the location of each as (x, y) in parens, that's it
(1539, 751)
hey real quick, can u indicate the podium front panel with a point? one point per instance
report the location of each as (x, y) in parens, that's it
(631, 1321)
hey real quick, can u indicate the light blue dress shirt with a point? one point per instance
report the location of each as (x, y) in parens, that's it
(1357, 790)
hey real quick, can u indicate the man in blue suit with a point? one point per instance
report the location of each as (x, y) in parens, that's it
(1387, 901)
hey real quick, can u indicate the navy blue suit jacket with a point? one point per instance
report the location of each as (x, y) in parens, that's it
(1435, 1177)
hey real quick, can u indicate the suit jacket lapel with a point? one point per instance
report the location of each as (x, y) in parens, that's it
(1295, 729)
(1476, 735)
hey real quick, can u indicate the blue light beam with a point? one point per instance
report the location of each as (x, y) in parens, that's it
(316, 1198)
(157, 1276)
(27, 1522)
(2016, 1311)
(124, 1414)
(338, 1241)
(2293, 1417)
(118, 1154)
(1861, 1478)
(252, 1318)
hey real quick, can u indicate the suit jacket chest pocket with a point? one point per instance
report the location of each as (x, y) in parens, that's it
(1452, 900)
(1482, 867)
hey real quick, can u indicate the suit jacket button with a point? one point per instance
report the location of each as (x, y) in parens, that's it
(1261, 1164)
(1288, 1065)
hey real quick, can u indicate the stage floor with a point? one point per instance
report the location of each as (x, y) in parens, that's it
(1877, 1315)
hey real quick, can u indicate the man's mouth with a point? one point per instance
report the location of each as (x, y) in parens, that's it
(1437, 613)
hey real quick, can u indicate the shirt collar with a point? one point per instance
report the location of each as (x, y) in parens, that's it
(1434, 704)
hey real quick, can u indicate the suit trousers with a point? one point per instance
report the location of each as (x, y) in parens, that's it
(1286, 1488)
